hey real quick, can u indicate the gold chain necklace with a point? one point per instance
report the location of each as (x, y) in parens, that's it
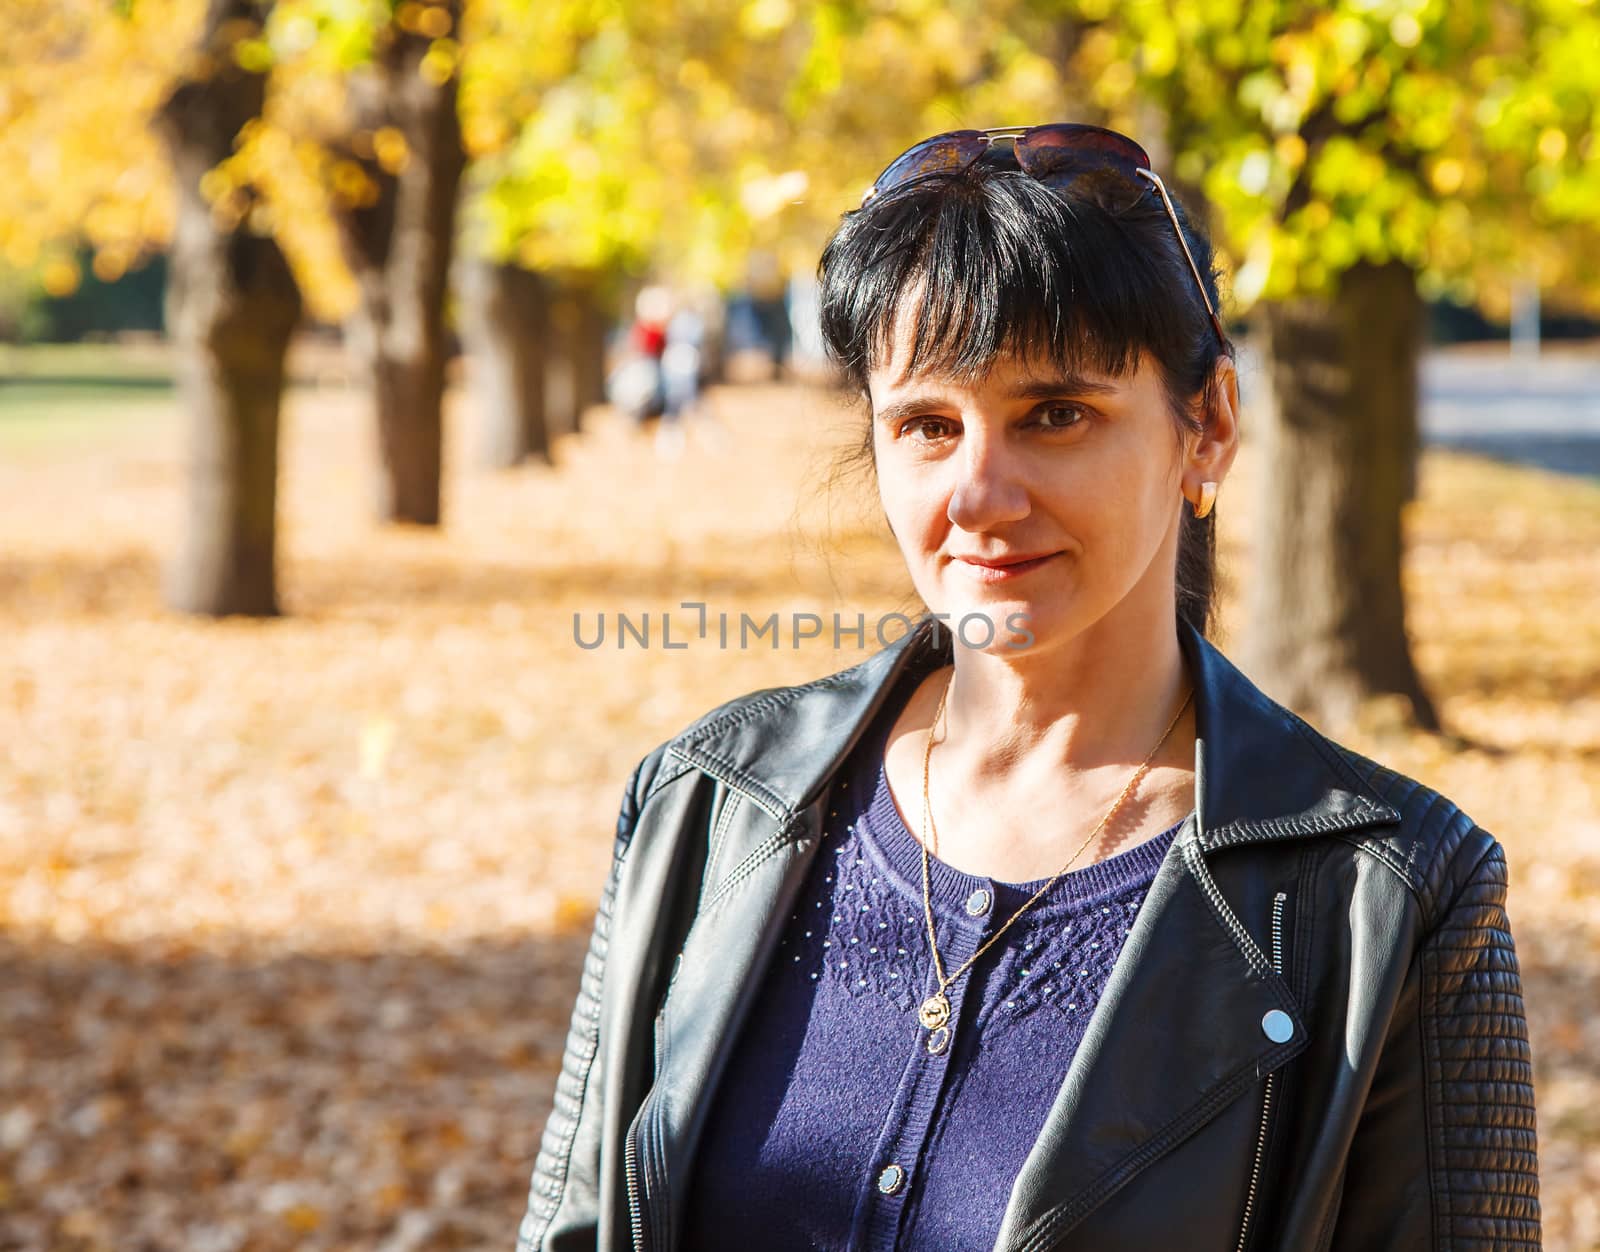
(934, 1012)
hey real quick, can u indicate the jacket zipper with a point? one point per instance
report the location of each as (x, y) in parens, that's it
(630, 1165)
(630, 1154)
(1278, 902)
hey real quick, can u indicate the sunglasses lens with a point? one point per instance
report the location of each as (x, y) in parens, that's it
(1100, 164)
(941, 154)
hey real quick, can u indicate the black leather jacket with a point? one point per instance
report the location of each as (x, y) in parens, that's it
(1397, 1113)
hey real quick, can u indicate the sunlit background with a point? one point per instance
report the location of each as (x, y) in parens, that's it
(349, 351)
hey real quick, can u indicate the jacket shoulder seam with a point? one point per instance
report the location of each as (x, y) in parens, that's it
(1489, 848)
(1387, 859)
(722, 770)
(753, 703)
(1437, 828)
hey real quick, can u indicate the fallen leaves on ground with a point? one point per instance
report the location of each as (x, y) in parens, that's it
(291, 911)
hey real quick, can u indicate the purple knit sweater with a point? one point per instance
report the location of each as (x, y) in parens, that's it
(840, 1122)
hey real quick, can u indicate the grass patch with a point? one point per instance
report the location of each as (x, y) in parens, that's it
(55, 394)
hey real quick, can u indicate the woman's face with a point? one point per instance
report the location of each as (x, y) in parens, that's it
(1083, 477)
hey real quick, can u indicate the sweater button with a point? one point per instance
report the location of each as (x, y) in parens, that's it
(978, 902)
(1277, 1026)
(891, 1179)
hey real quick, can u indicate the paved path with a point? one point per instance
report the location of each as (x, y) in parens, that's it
(1543, 412)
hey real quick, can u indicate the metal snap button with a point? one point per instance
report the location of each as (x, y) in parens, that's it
(891, 1179)
(1277, 1026)
(978, 902)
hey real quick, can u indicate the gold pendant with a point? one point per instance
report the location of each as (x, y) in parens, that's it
(935, 1011)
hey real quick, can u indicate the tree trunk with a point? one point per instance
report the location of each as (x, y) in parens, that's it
(231, 308)
(1339, 436)
(399, 239)
(576, 370)
(589, 347)
(560, 368)
(507, 325)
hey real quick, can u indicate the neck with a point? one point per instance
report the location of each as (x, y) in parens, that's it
(1100, 697)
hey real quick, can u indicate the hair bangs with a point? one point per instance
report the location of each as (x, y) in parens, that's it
(976, 269)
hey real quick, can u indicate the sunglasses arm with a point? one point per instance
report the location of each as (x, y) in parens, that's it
(1188, 256)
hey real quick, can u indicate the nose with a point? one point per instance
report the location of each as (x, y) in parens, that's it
(989, 489)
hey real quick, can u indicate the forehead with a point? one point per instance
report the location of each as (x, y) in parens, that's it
(912, 350)
(1015, 374)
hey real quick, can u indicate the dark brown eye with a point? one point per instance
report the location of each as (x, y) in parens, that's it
(918, 425)
(1059, 416)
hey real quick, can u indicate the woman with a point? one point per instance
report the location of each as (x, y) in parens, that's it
(1047, 930)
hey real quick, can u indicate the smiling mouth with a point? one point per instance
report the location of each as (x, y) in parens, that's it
(993, 572)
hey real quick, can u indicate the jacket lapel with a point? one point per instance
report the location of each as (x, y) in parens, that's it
(1130, 1094)
(731, 940)
(1260, 772)
(1177, 1035)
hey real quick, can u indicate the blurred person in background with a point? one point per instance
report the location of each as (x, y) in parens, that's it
(636, 386)
(1068, 937)
(652, 308)
(769, 303)
(681, 365)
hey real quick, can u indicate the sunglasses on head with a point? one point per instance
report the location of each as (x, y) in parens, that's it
(1109, 166)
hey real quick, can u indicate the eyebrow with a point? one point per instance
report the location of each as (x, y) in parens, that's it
(1029, 389)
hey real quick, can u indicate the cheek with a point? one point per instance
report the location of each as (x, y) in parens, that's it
(1108, 511)
(912, 505)
(1128, 520)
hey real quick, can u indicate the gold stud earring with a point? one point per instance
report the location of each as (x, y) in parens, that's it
(1208, 497)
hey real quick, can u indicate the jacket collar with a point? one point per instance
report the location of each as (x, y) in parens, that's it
(784, 760)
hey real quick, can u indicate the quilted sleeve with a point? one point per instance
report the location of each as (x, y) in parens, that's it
(564, 1192)
(1478, 1073)
(1444, 1157)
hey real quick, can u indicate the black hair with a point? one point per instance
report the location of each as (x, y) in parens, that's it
(1001, 264)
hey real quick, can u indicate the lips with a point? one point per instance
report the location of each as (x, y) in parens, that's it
(1003, 569)
(1004, 562)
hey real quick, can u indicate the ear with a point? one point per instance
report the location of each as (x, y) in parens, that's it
(1210, 453)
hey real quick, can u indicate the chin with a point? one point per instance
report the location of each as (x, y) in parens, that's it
(1013, 620)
